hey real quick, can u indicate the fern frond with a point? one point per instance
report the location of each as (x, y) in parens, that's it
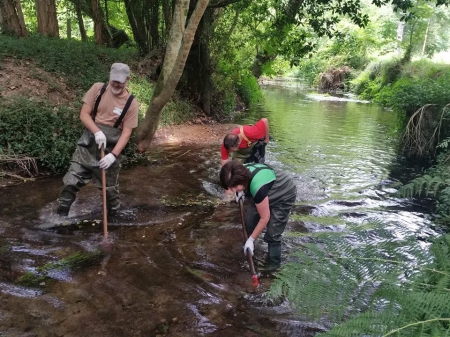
(426, 183)
(371, 282)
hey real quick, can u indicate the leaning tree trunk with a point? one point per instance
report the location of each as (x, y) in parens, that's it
(80, 20)
(11, 18)
(46, 18)
(161, 97)
(101, 31)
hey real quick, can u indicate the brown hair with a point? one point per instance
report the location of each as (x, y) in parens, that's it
(234, 173)
(231, 140)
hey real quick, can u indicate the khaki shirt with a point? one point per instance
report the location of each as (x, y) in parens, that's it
(111, 107)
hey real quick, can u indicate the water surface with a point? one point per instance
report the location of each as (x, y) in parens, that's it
(174, 265)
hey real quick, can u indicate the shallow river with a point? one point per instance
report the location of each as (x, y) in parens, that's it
(174, 264)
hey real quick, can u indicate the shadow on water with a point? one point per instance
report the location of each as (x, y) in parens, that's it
(174, 265)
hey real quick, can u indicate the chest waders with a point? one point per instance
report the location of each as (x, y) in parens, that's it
(282, 197)
(254, 153)
(84, 163)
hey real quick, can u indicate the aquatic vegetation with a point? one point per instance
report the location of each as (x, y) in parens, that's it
(371, 282)
(72, 262)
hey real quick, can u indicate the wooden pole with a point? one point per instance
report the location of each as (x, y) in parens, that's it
(249, 255)
(105, 210)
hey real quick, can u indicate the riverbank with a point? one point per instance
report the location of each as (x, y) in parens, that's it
(192, 134)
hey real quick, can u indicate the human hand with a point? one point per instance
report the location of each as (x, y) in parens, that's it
(239, 195)
(107, 161)
(249, 246)
(100, 139)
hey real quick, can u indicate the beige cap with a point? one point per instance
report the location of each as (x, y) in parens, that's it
(119, 72)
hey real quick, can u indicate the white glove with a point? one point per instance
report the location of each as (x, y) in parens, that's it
(100, 139)
(107, 161)
(240, 195)
(249, 245)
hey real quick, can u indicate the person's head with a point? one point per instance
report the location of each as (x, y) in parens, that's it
(118, 77)
(234, 176)
(231, 142)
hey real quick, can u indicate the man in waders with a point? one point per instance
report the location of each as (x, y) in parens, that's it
(246, 143)
(271, 195)
(109, 114)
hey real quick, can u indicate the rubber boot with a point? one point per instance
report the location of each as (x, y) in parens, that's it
(273, 257)
(66, 199)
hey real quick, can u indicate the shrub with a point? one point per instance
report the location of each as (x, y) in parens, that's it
(40, 130)
(407, 95)
(248, 88)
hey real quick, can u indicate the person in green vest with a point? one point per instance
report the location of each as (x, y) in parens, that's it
(271, 194)
(109, 114)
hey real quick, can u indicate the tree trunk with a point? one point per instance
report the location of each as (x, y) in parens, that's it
(11, 18)
(174, 45)
(400, 29)
(138, 13)
(101, 32)
(198, 68)
(46, 18)
(148, 127)
(154, 23)
(80, 21)
(69, 28)
(167, 13)
(424, 45)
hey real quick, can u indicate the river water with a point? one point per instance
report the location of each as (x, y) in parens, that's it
(173, 263)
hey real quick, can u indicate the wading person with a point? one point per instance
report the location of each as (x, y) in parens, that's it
(246, 143)
(109, 114)
(271, 194)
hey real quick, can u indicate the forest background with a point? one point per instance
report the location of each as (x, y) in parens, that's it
(204, 58)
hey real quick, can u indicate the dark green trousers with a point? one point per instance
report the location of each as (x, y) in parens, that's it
(84, 168)
(279, 216)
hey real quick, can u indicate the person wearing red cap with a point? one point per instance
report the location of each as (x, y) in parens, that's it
(109, 114)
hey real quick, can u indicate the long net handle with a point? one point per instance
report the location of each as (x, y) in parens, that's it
(105, 211)
(244, 231)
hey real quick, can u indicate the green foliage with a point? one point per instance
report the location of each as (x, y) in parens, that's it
(248, 88)
(435, 182)
(39, 129)
(368, 282)
(82, 63)
(309, 68)
(426, 184)
(408, 94)
(75, 261)
(404, 87)
(177, 111)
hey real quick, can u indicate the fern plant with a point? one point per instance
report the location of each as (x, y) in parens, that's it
(368, 286)
(426, 184)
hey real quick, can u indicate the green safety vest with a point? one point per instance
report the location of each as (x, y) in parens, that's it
(260, 175)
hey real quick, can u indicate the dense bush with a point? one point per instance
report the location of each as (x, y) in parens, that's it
(248, 88)
(40, 130)
(408, 94)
